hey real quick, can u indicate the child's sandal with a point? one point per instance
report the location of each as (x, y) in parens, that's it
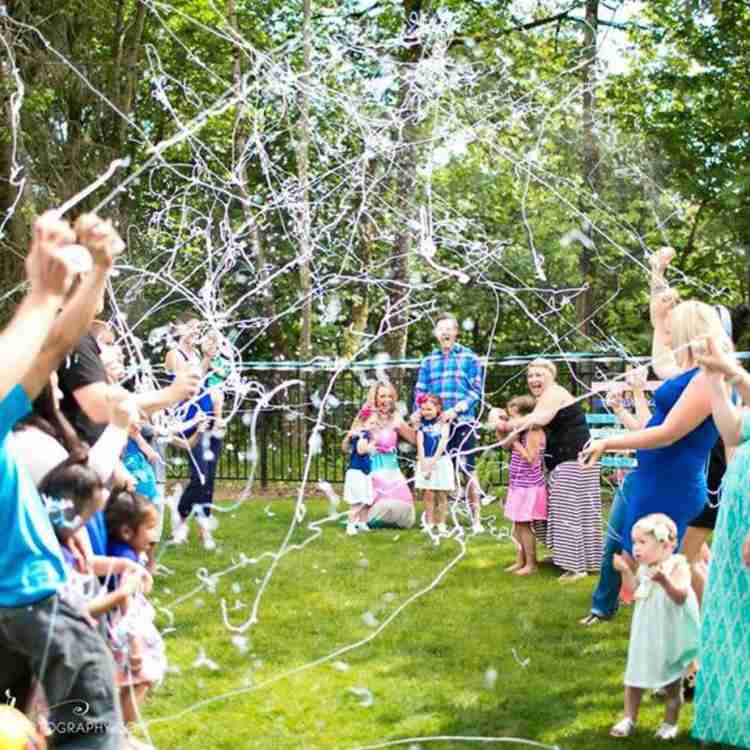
(666, 731)
(624, 728)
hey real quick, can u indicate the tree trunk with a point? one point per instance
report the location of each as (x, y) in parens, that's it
(15, 193)
(590, 166)
(398, 294)
(266, 301)
(303, 163)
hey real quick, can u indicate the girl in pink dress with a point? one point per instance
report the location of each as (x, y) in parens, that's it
(526, 501)
(393, 504)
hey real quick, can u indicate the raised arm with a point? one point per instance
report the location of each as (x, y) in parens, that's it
(103, 244)
(691, 409)
(662, 300)
(50, 276)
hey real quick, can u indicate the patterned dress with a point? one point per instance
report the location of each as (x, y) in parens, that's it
(527, 489)
(722, 697)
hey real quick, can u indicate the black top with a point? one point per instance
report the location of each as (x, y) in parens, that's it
(82, 367)
(567, 433)
(717, 465)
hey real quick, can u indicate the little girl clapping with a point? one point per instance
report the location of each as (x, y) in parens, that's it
(665, 628)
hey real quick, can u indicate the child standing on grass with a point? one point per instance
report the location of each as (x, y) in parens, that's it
(132, 527)
(358, 490)
(665, 629)
(434, 473)
(526, 501)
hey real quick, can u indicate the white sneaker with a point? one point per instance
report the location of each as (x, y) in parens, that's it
(351, 529)
(180, 533)
(362, 526)
(208, 542)
(666, 731)
(477, 528)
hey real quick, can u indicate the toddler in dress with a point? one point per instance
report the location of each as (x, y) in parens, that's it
(358, 491)
(526, 501)
(665, 630)
(434, 473)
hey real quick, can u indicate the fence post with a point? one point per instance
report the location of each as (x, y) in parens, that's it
(263, 451)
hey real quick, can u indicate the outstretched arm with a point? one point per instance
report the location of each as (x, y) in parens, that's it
(50, 276)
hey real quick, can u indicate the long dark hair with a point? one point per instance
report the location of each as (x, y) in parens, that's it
(47, 417)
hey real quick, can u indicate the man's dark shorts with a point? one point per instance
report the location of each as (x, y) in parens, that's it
(462, 444)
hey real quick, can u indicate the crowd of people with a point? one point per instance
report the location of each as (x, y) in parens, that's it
(82, 457)
(82, 474)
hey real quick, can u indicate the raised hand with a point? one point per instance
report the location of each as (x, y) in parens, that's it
(49, 269)
(661, 259)
(715, 360)
(592, 452)
(100, 238)
(186, 384)
(635, 378)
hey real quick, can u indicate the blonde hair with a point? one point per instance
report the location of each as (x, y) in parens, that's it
(544, 364)
(658, 525)
(692, 323)
(372, 395)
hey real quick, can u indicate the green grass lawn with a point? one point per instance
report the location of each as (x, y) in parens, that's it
(557, 682)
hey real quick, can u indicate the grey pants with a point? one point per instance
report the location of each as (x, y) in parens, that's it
(53, 641)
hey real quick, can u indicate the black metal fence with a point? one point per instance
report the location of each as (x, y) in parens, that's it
(284, 424)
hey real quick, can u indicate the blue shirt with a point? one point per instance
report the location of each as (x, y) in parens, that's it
(432, 431)
(361, 462)
(31, 562)
(138, 465)
(96, 527)
(456, 376)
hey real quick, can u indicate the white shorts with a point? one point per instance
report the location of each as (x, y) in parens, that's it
(358, 488)
(442, 477)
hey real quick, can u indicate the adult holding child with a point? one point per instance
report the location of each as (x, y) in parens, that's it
(574, 508)
(393, 504)
(722, 710)
(454, 373)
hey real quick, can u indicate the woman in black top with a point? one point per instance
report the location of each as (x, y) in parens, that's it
(574, 523)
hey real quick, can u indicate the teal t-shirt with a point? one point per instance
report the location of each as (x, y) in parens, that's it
(31, 562)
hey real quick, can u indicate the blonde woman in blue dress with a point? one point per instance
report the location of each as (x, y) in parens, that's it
(722, 693)
(665, 629)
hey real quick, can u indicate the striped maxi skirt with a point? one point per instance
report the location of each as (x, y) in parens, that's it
(573, 529)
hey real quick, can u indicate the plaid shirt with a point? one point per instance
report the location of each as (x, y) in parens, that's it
(456, 376)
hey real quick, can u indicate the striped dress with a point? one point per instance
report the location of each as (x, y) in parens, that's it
(574, 507)
(527, 490)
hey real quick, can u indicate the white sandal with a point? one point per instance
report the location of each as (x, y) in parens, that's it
(624, 728)
(666, 731)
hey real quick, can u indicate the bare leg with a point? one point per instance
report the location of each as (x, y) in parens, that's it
(633, 697)
(528, 544)
(692, 546)
(520, 555)
(441, 501)
(472, 489)
(131, 699)
(674, 702)
(429, 507)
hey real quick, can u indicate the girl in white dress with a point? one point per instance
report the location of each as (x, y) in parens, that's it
(434, 472)
(665, 629)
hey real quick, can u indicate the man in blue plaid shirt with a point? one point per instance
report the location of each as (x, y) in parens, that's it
(455, 373)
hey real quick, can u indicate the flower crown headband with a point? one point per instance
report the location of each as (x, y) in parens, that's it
(659, 530)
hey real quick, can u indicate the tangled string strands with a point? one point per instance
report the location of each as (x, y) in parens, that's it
(221, 236)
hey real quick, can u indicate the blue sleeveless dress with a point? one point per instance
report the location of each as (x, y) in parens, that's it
(672, 479)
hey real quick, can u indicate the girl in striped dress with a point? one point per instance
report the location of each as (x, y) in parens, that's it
(526, 501)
